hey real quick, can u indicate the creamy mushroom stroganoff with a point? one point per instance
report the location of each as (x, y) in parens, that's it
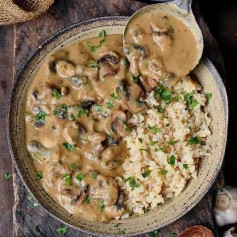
(111, 130)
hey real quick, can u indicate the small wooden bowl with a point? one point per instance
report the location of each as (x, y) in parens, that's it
(197, 231)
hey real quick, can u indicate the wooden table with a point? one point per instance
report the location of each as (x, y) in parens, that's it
(16, 44)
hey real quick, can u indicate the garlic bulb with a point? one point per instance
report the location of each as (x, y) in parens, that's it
(232, 232)
(225, 210)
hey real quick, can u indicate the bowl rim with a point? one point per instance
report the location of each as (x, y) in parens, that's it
(24, 65)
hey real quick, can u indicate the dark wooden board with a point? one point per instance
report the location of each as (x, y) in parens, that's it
(27, 38)
(6, 188)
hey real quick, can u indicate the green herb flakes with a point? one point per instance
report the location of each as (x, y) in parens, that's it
(127, 127)
(172, 142)
(116, 95)
(71, 117)
(154, 129)
(98, 108)
(153, 143)
(160, 110)
(154, 234)
(40, 117)
(64, 107)
(109, 104)
(174, 234)
(56, 94)
(69, 146)
(73, 166)
(132, 182)
(39, 174)
(93, 48)
(80, 177)
(185, 166)
(88, 200)
(37, 229)
(27, 113)
(93, 64)
(209, 96)
(67, 179)
(194, 140)
(83, 111)
(140, 139)
(142, 149)
(188, 98)
(102, 34)
(62, 230)
(121, 232)
(171, 160)
(163, 172)
(8, 175)
(146, 173)
(101, 206)
(94, 175)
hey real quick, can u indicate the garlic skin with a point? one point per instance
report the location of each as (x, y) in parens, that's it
(225, 210)
(231, 232)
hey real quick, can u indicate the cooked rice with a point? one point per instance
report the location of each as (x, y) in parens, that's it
(150, 151)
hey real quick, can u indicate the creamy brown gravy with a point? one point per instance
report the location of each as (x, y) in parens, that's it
(78, 106)
(164, 46)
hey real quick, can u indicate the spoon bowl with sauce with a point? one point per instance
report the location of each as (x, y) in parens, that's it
(163, 41)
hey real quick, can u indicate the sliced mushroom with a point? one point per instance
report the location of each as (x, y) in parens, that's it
(87, 104)
(37, 149)
(91, 73)
(65, 68)
(136, 50)
(71, 132)
(109, 56)
(114, 123)
(134, 65)
(148, 83)
(105, 189)
(95, 137)
(80, 197)
(106, 70)
(135, 92)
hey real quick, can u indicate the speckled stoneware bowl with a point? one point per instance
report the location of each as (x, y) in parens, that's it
(157, 218)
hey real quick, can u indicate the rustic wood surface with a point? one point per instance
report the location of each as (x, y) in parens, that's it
(27, 37)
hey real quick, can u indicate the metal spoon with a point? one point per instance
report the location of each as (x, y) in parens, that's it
(178, 8)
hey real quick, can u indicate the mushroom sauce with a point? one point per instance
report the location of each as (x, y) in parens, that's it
(78, 106)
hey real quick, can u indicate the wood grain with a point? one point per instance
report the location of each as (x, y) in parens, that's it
(6, 188)
(27, 38)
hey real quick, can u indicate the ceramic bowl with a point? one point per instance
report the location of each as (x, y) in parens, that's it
(157, 218)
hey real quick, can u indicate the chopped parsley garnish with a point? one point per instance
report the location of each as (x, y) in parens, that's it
(55, 111)
(116, 95)
(109, 104)
(82, 111)
(127, 127)
(142, 149)
(62, 230)
(98, 108)
(88, 200)
(27, 113)
(73, 166)
(94, 175)
(146, 173)
(8, 175)
(194, 140)
(163, 172)
(172, 142)
(40, 117)
(101, 206)
(175, 98)
(174, 234)
(154, 234)
(209, 96)
(35, 204)
(93, 64)
(132, 182)
(140, 139)
(30, 198)
(69, 146)
(188, 98)
(159, 149)
(171, 160)
(185, 166)
(117, 225)
(165, 94)
(160, 110)
(167, 125)
(56, 94)
(135, 77)
(64, 107)
(154, 142)
(36, 30)
(121, 232)
(71, 117)
(39, 174)
(80, 177)
(93, 48)
(67, 179)
(154, 129)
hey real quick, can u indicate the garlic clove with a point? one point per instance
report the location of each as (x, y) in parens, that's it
(225, 210)
(232, 232)
(197, 231)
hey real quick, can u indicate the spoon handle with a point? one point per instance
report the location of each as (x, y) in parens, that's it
(183, 4)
